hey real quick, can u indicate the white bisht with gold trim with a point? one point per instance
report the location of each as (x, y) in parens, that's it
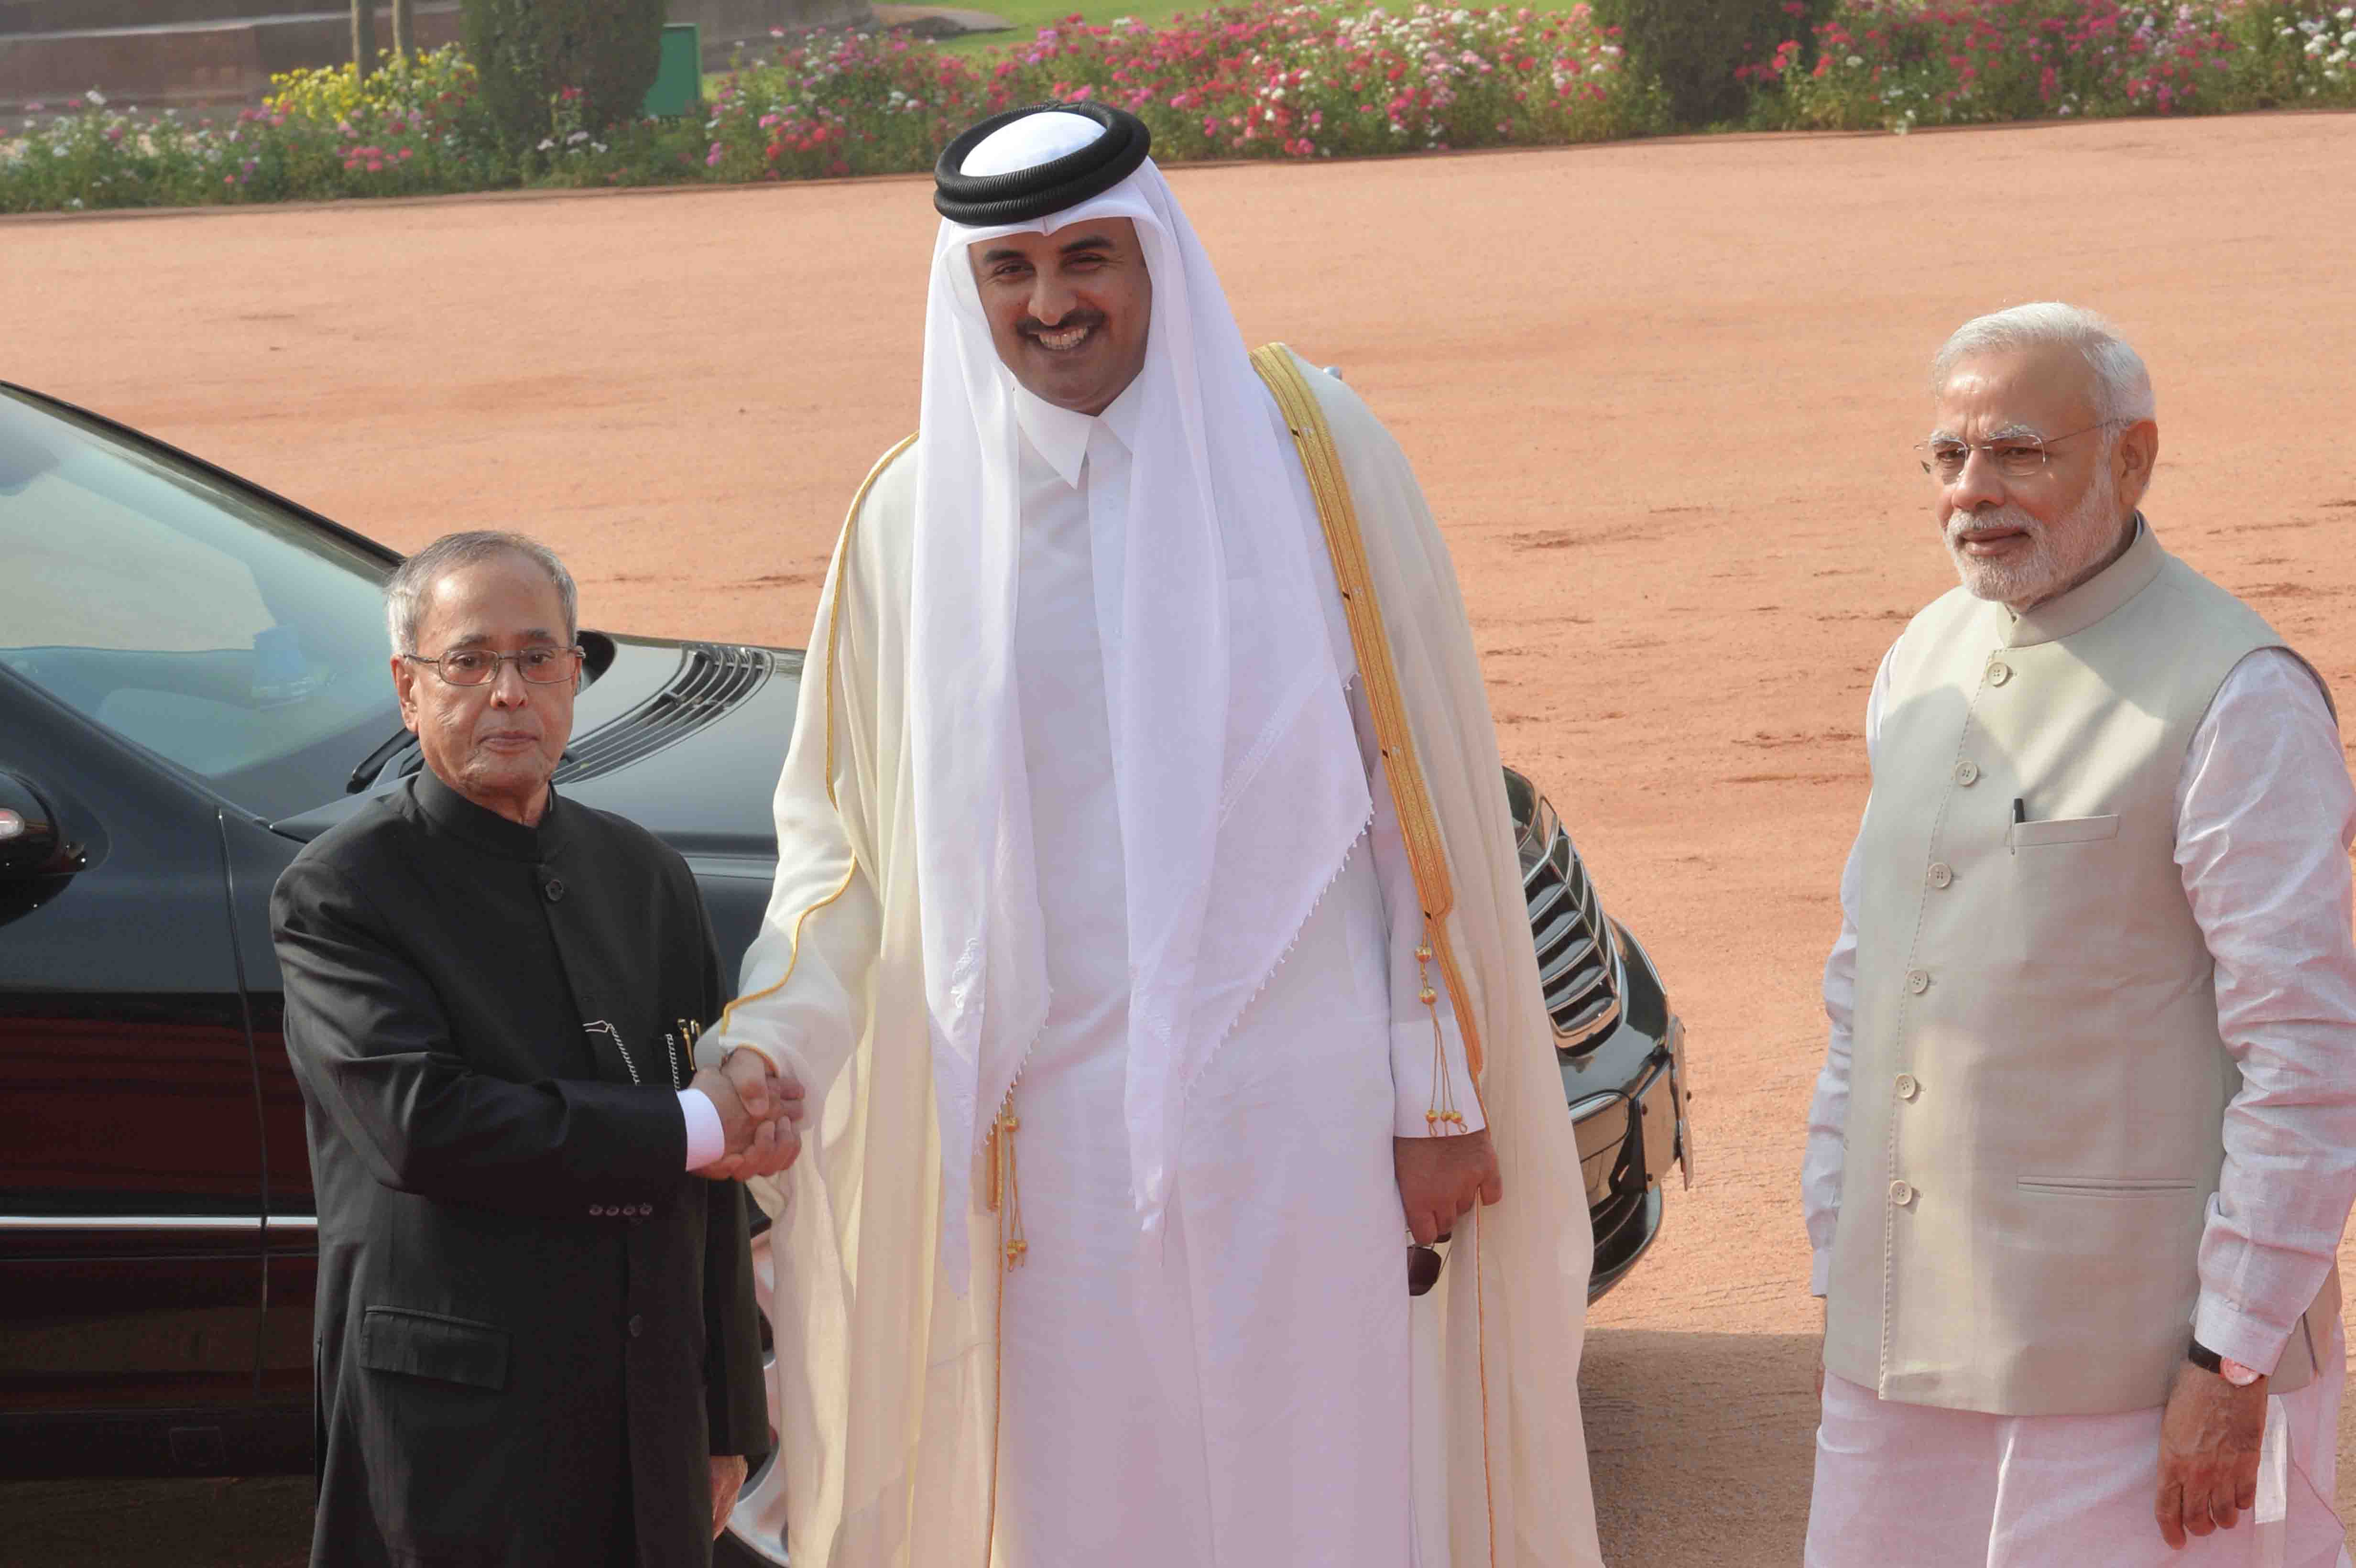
(889, 1367)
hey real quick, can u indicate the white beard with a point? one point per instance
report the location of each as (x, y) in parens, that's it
(2056, 557)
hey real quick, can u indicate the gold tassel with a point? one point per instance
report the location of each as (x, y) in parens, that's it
(1005, 1189)
(1443, 1118)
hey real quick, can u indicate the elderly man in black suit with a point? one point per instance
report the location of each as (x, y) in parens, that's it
(536, 1340)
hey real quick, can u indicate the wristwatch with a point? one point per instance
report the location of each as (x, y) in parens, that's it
(2232, 1372)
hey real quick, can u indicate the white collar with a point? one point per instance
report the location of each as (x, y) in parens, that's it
(1061, 435)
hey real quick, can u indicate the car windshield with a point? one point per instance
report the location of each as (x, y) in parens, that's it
(237, 639)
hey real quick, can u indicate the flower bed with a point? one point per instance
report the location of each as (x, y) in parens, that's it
(1245, 81)
(1894, 65)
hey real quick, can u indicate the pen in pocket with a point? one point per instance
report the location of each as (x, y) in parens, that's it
(2019, 815)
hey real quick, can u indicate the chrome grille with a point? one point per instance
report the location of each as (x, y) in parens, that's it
(1578, 968)
(711, 678)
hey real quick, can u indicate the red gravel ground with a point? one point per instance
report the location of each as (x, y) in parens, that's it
(1661, 395)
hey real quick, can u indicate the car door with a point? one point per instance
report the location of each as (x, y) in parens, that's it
(130, 1181)
(183, 660)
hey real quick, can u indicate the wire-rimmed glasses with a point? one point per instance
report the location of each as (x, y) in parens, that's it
(2017, 454)
(480, 667)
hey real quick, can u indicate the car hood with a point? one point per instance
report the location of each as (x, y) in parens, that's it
(685, 739)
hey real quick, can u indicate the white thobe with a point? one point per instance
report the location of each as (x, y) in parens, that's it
(1231, 1389)
(2266, 813)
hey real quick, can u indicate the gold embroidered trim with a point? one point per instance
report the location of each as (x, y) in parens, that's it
(833, 642)
(1419, 822)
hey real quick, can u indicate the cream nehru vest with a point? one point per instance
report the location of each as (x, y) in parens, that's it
(2038, 1089)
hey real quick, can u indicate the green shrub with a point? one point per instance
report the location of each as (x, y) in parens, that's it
(594, 57)
(1694, 48)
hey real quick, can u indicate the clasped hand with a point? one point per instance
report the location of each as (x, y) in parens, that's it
(760, 1116)
(1439, 1179)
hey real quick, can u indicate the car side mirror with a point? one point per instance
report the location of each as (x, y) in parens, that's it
(32, 843)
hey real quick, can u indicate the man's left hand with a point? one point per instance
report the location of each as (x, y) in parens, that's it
(1440, 1177)
(2209, 1442)
(727, 1475)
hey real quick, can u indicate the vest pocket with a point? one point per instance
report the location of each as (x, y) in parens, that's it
(2104, 1186)
(2064, 830)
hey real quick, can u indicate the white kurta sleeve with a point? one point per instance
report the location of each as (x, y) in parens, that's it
(2264, 816)
(802, 998)
(1820, 1166)
(1429, 1076)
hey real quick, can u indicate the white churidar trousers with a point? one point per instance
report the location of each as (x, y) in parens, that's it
(1926, 1488)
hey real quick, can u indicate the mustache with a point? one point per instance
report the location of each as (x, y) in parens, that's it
(1961, 527)
(1031, 327)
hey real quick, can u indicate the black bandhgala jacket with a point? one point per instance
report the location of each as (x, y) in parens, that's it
(533, 1327)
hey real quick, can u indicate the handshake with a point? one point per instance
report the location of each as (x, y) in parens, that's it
(759, 1115)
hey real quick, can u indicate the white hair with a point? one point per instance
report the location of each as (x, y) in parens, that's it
(2122, 385)
(404, 594)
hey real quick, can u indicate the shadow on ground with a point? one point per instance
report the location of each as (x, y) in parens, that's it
(1701, 1446)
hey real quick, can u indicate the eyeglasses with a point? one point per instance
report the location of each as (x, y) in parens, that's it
(2017, 456)
(474, 667)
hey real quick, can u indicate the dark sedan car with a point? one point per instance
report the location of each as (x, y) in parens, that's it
(193, 685)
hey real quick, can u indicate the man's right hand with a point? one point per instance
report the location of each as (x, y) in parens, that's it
(758, 1110)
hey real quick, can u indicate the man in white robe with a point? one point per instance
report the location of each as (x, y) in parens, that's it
(1142, 1021)
(2085, 1137)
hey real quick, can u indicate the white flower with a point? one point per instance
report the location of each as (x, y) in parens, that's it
(2346, 13)
(547, 143)
(2335, 57)
(95, 96)
(75, 202)
(575, 139)
(598, 145)
(1857, 59)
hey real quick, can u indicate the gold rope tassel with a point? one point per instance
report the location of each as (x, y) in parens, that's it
(1006, 1188)
(1443, 1118)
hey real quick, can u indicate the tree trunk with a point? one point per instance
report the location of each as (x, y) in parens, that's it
(404, 31)
(364, 36)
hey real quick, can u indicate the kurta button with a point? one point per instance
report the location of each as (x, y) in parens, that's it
(598, 1210)
(638, 1325)
(1967, 773)
(1998, 673)
(1918, 980)
(1901, 1194)
(1942, 873)
(1907, 1087)
(554, 890)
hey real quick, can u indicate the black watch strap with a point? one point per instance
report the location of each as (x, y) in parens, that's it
(2207, 1360)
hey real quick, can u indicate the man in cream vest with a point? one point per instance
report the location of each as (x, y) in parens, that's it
(2085, 1137)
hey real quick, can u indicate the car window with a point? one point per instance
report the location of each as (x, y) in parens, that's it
(239, 640)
